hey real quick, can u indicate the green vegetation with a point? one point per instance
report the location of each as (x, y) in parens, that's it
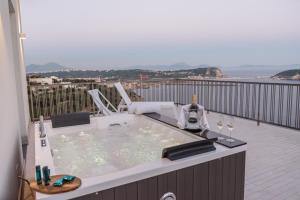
(58, 99)
(133, 74)
(293, 74)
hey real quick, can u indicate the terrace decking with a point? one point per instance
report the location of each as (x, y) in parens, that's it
(272, 160)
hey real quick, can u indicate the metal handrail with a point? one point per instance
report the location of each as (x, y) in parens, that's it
(276, 103)
(271, 82)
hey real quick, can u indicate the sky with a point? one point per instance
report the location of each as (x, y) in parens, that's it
(118, 33)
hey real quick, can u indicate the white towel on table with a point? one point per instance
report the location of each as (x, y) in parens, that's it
(183, 118)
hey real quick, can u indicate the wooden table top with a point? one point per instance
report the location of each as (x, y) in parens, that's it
(50, 189)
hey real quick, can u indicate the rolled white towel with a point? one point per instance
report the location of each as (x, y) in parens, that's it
(163, 108)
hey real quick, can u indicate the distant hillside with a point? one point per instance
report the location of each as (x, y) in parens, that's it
(49, 67)
(176, 66)
(205, 72)
(293, 74)
(131, 74)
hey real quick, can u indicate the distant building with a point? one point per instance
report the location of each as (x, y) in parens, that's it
(56, 79)
(199, 77)
(44, 80)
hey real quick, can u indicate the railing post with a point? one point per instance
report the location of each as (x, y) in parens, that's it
(31, 102)
(208, 98)
(93, 105)
(258, 111)
(177, 90)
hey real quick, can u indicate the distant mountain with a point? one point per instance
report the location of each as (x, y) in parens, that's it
(49, 67)
(293, 74)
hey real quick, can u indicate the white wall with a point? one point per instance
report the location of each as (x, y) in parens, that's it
(14, 116)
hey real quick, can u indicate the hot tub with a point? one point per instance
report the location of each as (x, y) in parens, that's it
(122, 151)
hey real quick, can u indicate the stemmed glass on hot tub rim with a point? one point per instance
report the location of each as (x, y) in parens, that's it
(220, 125)
(230, 126)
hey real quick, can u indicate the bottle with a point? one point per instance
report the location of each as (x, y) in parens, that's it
(46, 175)
(193, 110)
(38, 174)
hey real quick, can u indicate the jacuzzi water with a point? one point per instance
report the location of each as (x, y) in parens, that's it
(93, 150)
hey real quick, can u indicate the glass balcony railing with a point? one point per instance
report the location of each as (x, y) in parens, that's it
(269, 102)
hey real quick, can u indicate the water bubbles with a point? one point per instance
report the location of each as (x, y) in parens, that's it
(94, 152)
(64, 138)
(156, 135)
(145, 130)
(82, 134)
(98, 160)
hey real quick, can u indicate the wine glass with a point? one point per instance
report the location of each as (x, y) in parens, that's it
(220, 125)
(230, 126)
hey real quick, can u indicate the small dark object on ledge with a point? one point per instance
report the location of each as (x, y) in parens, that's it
(43, 143)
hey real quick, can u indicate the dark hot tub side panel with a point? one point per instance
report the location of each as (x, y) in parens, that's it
(220, 179)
